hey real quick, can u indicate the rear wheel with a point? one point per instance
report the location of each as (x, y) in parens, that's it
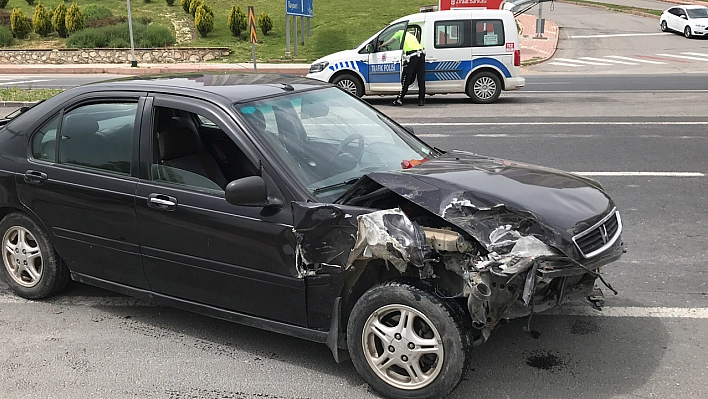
(30, 266)
(350, 83)
(484, 88)
(687, 32)
(664, 27)
(406, 342)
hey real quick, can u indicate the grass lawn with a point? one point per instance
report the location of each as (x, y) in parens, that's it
(16, 94)
(337, 24)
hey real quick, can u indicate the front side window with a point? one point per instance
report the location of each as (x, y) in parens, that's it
(327, 139)
(44, 141)
(489, 33)
(99, 136)
(451, 34)
(391, 38)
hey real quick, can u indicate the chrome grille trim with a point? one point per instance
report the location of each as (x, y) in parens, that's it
(600, 225)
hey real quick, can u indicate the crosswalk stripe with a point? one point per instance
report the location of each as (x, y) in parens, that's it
(698, 54)
(581, 61)
(612, 61)
(684, 57)
(619, 57)
(564, 64)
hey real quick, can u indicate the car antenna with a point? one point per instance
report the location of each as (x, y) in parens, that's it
(287, 87)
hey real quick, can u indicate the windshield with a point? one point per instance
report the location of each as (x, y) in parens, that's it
(327, 139)
(697, 12)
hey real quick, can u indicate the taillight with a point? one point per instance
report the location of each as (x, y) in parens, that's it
(517, 57)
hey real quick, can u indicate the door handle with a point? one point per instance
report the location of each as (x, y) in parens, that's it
(432, 59)
(162, 202)
(35, 177)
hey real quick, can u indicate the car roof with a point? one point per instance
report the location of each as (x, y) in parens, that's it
(692, 6)
(235, 87)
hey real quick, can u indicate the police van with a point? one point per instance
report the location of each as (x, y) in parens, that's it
(470, 51)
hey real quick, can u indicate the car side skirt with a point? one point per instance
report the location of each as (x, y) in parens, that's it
(200, 308)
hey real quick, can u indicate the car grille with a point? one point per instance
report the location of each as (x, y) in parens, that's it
(600, 236)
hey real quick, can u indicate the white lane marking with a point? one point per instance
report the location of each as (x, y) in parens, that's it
(619, 35)
(559, 136)
(619, 123)
(566, 310)
(630, 311)
(565, 64)
(698, 54)
(684, 57)
(606, 60)
(19, 82)
(634, 174)
(619, 57)
(581, 61)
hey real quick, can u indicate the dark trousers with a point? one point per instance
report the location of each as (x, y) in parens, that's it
(414, 69)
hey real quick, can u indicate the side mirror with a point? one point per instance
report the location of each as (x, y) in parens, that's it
(370, 48)
(247, 191)
(684, 17)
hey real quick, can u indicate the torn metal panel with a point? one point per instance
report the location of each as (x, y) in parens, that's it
(390, 235)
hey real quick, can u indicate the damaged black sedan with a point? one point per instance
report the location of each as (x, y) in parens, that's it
(286, 204)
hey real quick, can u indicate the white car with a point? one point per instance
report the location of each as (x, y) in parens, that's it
(689, 19)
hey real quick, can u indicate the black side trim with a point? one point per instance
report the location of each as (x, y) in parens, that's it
(96, 240)
(228, 315)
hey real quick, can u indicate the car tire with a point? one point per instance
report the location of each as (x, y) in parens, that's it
(484, 88)
(31, 267)
(687, 32)
(664, 27)
(349, 83)
(427, 358)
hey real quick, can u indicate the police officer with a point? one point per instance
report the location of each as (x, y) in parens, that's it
(413, 52)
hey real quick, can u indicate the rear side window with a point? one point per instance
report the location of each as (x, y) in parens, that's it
(488, 33)
(452, 34)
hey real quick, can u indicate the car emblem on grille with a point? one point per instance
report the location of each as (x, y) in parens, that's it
(603, 232)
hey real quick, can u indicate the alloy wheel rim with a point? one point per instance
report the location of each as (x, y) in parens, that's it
(403, 347)
(485, 87)
(687, 31)
(347, 85)
(22, 257)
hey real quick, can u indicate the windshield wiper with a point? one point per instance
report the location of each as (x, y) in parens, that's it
(336, 185)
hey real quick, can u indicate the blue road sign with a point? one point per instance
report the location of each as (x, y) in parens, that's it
(301, 8)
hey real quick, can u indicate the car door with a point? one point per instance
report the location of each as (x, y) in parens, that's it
(449, 57)
(682, 20)
(82, 185)
(385, 62)
(673, 19)
(195, 245)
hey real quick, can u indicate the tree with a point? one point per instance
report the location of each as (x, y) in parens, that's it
(30, 2)
(74, 19)
(19, 24)
(185, 5)
(204, 20)
(237, 21)
(265, 23)
(3, 3)
(41, 22)
(193, 6)
(59, 20)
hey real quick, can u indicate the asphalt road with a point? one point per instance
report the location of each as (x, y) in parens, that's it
(649, 342)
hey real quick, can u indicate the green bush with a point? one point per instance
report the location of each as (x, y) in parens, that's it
(94, 11)
(118, 36)
(265, 23)
(193, 6)
(19, 24)
(185, 5)
(5, 36)
(41, 22)
(59, 20)
(30, 2)
(3, 3)
(237, 21)
(204, 20)
(5, 17)
(74, 19)
(170, 2)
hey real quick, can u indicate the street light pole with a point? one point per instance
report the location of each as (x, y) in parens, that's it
(133, 62)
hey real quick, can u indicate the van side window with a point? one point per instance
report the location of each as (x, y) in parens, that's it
(488, 33)
(452, 34)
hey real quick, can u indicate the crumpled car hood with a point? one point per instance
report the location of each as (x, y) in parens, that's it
(479, 194)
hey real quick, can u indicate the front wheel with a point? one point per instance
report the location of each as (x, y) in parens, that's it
(664, 27)
(687, 32)
(406, 342)
(484, 88)
(30, 266)
(350, 83)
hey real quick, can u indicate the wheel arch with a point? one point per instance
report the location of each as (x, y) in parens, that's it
(486, 68)
(346, 71)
